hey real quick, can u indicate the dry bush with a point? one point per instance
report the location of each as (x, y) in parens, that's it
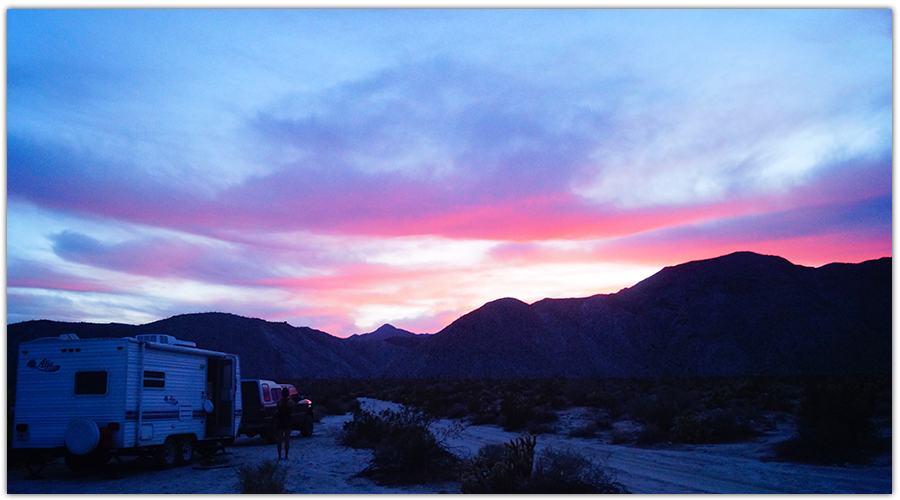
(834, 426)
(499, 468)
(565, 471)
(512, 468)
(365, 430)
(621, 437)
(588, 430)
(267, 477)
(515, 412)
(405, 451)
(650, 434)
(712, 426)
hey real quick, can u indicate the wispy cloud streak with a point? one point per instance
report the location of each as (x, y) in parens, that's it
(276, 163)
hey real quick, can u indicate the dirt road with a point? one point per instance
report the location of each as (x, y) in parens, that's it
(319, 465)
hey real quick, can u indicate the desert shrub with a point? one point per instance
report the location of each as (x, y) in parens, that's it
(543, 415)
(535, 428)
(565, 471)
(711, 426)
(650, 434)
(499, 468)
(588, 430)
(319, 412)
(486, 417)
(458, 410)
(339, 406)
(267, 477)
(621, 437)
(365, 429)
(834, 425)
(542, 421)
(512, 468)
(578, 391)
(515, 412)
(599, 421)
(410, 455)
(658, 409)
(404, 448)
(603, 422)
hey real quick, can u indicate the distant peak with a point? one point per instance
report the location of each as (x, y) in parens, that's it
(505, 302)
(384, 331)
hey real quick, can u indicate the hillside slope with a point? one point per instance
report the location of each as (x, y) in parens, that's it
(740, 314)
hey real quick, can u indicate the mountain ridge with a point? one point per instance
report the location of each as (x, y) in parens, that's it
(738, 314)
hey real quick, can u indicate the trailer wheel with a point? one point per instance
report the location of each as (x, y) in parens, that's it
(167, 454)
(185, 449)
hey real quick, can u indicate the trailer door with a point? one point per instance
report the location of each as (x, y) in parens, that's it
(220, 379)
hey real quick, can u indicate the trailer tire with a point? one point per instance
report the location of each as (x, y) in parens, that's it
(167, 454)
(82, 436)
(185, 449)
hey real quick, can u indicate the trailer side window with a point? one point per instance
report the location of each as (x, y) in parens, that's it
(154, 379)
(90, 383)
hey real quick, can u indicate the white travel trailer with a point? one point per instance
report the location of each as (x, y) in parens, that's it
(90, 399)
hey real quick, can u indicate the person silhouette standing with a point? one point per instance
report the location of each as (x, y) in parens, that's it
(283, 414)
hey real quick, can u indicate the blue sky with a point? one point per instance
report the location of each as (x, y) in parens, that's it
(341, 169)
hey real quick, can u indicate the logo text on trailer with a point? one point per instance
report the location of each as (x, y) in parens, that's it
(45, 365)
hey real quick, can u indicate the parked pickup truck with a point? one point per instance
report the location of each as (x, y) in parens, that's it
(259, 399)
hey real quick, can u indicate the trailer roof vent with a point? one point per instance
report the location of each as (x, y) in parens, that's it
(165, 339)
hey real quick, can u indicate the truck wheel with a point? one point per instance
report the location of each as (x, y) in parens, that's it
(167, 454)
(185, 449)
(269, 435)
(306, 428)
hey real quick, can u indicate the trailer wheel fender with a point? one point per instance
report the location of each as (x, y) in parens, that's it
(82, 436)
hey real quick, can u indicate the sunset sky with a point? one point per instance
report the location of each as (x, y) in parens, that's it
(341, 169)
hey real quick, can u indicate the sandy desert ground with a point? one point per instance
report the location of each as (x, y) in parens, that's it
(320, 465)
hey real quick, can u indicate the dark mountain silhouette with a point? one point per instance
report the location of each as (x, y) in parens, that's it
(384, 332)
(740, 314)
